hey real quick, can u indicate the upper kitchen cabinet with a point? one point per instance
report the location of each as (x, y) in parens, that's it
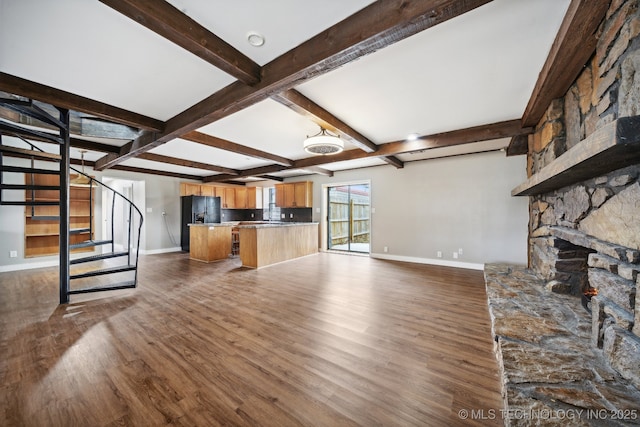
(294, 194)
(189, 189)
(254, 198)
(241, 198)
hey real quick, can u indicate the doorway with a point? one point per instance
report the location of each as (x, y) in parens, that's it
(349, 218)
(116, 213)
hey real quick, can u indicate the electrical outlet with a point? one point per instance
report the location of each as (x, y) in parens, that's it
(455, 255)
(283, 216)
(439, 254)
(460, 251)
(290, 215)
(149, 210)
(386, 249)
(252, 215)
(13, 254)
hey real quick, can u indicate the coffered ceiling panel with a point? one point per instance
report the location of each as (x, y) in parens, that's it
(477, 68)
(284, 23)
(89, 49)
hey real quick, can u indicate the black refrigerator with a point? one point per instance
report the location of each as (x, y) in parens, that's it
(197, 209)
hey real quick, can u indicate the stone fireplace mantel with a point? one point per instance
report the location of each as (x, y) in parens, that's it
(611, 147)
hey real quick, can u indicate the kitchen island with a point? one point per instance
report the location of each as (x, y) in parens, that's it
(210, 241)
(264, 244)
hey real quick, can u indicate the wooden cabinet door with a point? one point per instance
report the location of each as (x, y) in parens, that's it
(280, 195)
(230, 197)
(289, 196)
(207, 190)
(189, 189)
(254, 198)
(303, 194)
(241, 198)
(219, 192)
(294, 194)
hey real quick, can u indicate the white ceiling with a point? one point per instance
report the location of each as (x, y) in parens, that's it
(479, 68)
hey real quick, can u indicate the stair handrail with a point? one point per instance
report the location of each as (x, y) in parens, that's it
(32, 159)
(131, 205)
(114, 192)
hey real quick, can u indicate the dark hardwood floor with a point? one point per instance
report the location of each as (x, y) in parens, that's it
(326, 340)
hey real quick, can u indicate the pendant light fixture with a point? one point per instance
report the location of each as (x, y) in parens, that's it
(81, 179)
(323, 143)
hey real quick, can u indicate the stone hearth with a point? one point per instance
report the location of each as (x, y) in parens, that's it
(552, 372)
(583, 168)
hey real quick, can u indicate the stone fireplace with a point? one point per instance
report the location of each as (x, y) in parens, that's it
(584, 232)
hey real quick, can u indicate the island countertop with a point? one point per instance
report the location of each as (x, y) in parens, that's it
(210, 224)
(270, 243)
(265, 224)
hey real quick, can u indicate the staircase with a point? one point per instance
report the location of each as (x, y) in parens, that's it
(113, 261)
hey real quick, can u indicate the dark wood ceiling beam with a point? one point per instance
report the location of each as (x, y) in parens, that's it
(110, 160)
(376, 26)
(223, 144)
(186, 163)
(446, 139)
(304, 106)
(59, 98)
(506, 129)
(245, 173)
(394, 161)
(318, 170)
(80, 144)
(573, 46)
(518, 145)
(272, 178)
(167, 21)
(156, 172)
(78, 125)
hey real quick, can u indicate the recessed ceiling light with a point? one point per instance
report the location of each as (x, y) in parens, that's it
(255, 39)
(412, 136)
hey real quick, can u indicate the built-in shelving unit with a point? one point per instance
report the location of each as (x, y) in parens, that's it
(42, 223)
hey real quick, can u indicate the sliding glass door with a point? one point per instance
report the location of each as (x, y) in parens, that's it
(349, 219)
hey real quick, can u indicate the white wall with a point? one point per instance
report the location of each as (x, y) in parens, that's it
(444, 205)
(428, 206)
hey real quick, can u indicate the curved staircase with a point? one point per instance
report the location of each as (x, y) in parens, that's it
(113, 262)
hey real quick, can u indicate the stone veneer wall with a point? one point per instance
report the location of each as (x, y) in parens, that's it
(600, 214)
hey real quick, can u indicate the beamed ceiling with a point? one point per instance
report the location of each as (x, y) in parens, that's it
(174, 88)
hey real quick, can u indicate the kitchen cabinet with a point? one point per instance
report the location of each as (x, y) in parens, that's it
(241, 198)
(254, 198)
(193, 189)
(210, 242)
(229, 197)
(294, 194)
(189, 189)
(207, 190)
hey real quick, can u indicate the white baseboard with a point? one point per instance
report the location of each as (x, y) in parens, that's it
(160, 251)
(28, 266)
(442, 262)
(54, 263)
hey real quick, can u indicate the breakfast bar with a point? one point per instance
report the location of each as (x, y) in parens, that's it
(270, 243)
